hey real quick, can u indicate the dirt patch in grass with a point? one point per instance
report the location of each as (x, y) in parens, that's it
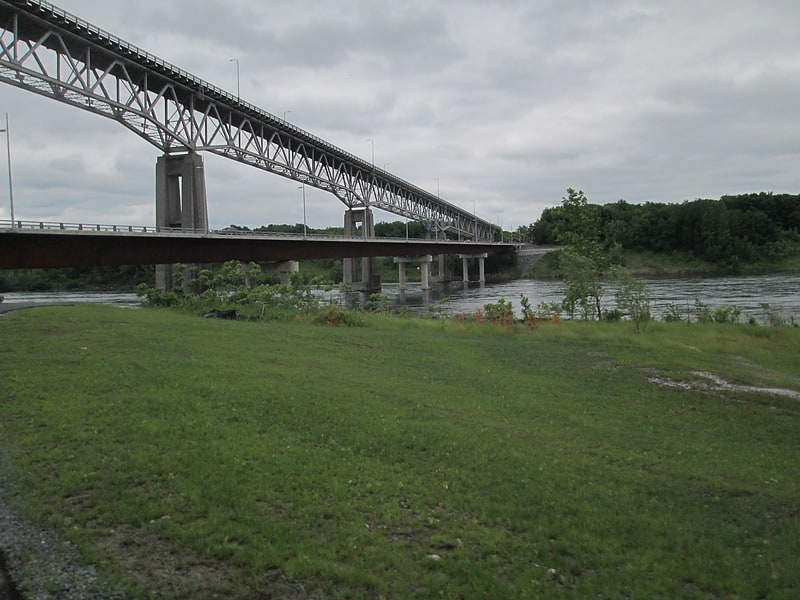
(146, 560)
(714, 383)
(152, 564)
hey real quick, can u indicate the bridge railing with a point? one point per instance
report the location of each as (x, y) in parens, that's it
(56, 227)
(95, 227)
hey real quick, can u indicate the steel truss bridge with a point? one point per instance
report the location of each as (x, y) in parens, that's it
(53, 53)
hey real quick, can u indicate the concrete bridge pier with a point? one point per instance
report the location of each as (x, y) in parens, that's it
(442, 273)
(285, 268)
(425, 266)
(360, 273)
(180, 202)
(481, 266)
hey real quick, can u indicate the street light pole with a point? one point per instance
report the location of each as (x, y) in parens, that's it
(286, 112)
(371, 141)
(238, 94)
(303, 187)
(7, 131)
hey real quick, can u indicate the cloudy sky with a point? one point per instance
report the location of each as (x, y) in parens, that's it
(501, 104)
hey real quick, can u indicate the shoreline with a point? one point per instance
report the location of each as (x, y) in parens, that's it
(7, 307)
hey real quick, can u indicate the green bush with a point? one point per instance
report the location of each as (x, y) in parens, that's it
(501, 312)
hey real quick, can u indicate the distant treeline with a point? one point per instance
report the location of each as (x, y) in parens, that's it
(397, 229)
(76, 278)
(726, 232)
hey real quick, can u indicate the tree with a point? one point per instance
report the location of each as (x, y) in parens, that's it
(582, 260)
(583, 285)
(632, 296)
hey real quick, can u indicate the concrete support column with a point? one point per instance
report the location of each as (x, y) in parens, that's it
(426, 274)
(360, 273)
(443, 274)
(285, 268)
(465, 269)
(180, 201)
(424, 261)
(481, 265)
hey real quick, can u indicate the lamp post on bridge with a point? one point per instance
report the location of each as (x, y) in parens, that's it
(438, 197)
(372, 142)
(7, 131)
(303, 187)
(475, 213)
(238, 94)
(286, 112)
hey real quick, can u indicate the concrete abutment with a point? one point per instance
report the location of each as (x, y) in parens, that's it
(360, 273)
(180, 203)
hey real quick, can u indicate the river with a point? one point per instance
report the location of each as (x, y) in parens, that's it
(749, 294)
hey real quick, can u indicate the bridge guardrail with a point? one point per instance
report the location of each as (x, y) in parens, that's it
(54, 226)
(58, 226)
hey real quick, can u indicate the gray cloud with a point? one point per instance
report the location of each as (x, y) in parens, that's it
(506, 104)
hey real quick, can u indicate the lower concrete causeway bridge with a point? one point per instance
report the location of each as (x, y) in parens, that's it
(40, 244)
(50, 52)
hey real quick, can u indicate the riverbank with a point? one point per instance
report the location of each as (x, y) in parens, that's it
(187, 457)
(655, 265)
(7, 307)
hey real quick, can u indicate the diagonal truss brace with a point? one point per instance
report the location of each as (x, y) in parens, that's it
(48, 51)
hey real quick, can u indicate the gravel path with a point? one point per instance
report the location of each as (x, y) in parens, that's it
(37, 564)
(34, 564)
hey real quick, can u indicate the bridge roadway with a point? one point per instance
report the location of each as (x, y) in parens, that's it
(39, 245)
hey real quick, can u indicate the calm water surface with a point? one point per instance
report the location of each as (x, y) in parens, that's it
(780, 292)
(116, 298)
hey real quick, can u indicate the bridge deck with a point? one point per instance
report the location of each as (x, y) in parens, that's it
(112, 245)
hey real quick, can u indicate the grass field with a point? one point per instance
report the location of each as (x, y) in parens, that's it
(408, 458)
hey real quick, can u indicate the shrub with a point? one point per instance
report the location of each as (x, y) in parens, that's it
(672, 313)
(727, 314)
(702, 312)
(632, 296)
(501, 312)
(335, 317)
(154, 297)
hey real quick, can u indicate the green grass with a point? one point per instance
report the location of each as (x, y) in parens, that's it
(196, 456)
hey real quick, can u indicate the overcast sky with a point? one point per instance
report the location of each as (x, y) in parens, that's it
(501, 104)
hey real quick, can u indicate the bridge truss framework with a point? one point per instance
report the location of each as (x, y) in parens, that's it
(48, 51)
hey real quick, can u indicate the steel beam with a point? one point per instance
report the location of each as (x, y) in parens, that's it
(51, 52)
